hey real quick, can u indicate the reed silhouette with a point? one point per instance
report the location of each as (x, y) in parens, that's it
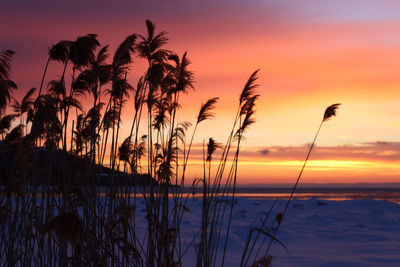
(71, 183)
(55, 212)
(329, 112)
(266, 260)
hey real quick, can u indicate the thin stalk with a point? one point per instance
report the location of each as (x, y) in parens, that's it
(232, 199)
(293, 190)
(44, 74)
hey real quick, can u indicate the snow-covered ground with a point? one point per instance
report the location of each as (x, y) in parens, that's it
(316, 232)
(344, 233)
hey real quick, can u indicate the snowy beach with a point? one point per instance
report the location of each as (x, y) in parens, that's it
(316, 232)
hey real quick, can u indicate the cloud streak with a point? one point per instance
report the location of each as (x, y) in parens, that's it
(371, 151)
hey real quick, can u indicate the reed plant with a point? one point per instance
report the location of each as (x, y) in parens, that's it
(70, 192)
(269, 232)
(72, 184)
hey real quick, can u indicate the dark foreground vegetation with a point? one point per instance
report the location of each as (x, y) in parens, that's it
(54, 210)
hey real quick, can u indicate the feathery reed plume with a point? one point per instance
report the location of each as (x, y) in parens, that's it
(93, 116)
(70, 101)
(110, 117)
(5, 63)
(329, 112)
(26, 106)
(247, 121)
(123, 56)
(149, 47)
(126, 150)
(212, 146)
(82, 50)
(60, 51)
(279, 218)
(6, 85)
(249, 89)
(204, 114)
(205, 110)
(15, 134)
(57, 88)
(183, 76)
(5, 123)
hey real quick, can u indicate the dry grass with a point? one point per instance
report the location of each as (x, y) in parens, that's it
(53, 211)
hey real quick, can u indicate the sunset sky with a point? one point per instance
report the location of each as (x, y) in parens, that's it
(310, 54)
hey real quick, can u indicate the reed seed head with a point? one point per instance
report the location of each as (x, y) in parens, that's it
(330, 111)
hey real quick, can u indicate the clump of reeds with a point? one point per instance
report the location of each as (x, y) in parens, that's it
(62, 203)
(56, 206)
